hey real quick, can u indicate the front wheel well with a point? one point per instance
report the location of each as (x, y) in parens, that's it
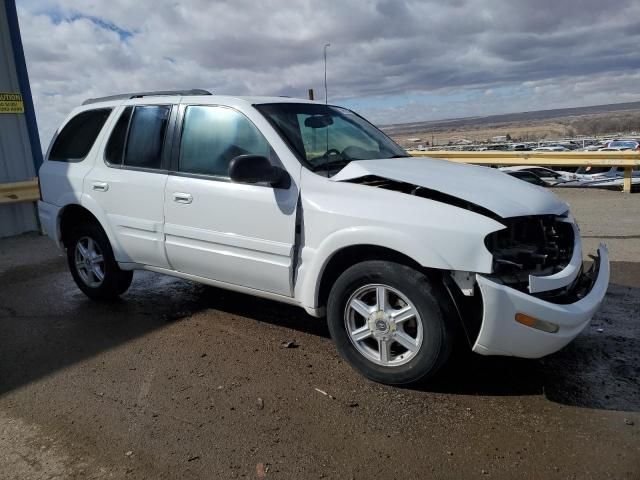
(71, 216)
(349, 256)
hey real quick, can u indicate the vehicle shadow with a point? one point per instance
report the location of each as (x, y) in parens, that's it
(46, 324)
(589, 373)
(264, 311)
(599, 369)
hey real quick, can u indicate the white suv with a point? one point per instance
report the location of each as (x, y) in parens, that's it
(309, 204)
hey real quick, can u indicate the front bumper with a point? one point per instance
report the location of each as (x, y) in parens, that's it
(500, 334)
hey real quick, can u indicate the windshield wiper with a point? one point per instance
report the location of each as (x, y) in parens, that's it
(329, 165)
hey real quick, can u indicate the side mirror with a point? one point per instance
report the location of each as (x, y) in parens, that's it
(257, 169)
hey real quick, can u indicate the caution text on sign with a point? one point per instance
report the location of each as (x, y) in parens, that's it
(11, 103)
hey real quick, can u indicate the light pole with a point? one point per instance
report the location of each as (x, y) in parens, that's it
(326, 45)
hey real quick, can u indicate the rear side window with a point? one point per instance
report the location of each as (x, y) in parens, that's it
(75, 140)
(137, 138)
(115, 146)
(146, 136)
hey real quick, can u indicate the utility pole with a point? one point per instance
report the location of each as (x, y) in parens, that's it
(326, 45)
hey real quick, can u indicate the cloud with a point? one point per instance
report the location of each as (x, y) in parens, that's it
(394, 60)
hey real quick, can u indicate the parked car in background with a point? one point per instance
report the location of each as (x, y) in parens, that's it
(625, 144)
(520, 147)
(593, 146)
(551, 177)
(311, 205)
(590, 148)
(553, 148)
(528, 177)
(602, 177)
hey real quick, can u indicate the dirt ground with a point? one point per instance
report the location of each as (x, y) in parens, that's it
(178, 380)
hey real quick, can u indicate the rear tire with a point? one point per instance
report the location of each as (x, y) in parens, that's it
(93, 265)
(387, 321)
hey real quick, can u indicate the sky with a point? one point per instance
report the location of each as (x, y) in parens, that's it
(393, 61)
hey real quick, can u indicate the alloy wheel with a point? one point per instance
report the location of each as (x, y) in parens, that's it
(383, 325)
(89, 261)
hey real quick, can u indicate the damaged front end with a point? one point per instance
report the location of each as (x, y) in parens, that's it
(541, 256)
(532, 296)
(538, 297)
(533, 247)
(532, 326)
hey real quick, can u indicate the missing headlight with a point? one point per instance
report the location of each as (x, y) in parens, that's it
(539, 245)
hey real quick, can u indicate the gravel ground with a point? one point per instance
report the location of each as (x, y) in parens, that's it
(178, 380)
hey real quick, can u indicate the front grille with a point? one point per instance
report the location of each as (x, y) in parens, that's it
(535, 245)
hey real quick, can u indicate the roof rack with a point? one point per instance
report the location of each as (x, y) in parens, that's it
(127, 96)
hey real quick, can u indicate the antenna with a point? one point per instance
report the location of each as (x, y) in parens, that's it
(326, 45)
(326, 97)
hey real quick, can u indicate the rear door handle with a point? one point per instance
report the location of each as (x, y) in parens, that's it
(100, 186)
(182, 197)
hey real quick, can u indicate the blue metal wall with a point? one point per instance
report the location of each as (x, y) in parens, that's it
(20, 153)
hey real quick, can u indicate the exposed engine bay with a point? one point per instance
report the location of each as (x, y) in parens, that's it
(534, 245)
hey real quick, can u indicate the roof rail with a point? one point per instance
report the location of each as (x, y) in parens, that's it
(127, 96)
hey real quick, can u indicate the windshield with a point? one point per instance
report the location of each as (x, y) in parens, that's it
(327, 138)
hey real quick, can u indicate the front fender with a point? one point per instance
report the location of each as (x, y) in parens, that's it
(313, 261)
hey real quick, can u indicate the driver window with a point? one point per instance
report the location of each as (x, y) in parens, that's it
(213, 136)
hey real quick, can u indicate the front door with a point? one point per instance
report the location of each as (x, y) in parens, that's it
(234, 233)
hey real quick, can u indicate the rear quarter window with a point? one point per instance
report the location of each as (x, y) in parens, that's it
(76, 138)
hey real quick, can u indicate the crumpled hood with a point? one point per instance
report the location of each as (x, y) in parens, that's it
(498, 192)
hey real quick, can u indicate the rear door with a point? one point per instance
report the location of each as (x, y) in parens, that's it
(128, 182)
(71, 156)
(234, 233)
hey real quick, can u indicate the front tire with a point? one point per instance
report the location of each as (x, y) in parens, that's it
(387, 321)
(93, 265)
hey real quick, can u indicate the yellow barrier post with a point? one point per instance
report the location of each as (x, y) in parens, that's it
(626, 185)
(19, 192)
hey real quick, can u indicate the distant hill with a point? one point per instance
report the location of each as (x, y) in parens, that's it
(538, 115)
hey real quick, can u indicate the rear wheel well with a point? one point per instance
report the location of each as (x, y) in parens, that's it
(72, 216)
(349, 256)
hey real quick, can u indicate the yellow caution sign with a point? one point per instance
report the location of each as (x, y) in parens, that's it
(11, 103)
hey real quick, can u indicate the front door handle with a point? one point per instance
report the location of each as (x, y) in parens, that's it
(182, 197)
(100, 186)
